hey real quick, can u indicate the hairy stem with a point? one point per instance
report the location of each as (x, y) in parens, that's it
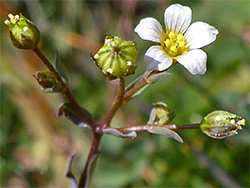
(67, 92)
(116, 105)
(90, 163)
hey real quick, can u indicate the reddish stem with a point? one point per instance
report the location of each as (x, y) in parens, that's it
(147, 126)
(116, 105)
(67, 92)
(89, 166)
(131, 92)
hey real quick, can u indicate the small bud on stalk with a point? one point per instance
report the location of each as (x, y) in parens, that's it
(23, 33)
(48, 82)
(116, 58)
(221, 124)
(163, 113)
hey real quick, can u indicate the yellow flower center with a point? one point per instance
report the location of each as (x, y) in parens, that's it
(174, 45)
(13, 19)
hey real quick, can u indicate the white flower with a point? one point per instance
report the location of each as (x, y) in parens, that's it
(179, 43)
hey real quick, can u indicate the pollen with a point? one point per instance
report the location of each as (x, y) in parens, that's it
(174, 44)
(13, 19)
(171, 35)
(25, 29)
(242, 122)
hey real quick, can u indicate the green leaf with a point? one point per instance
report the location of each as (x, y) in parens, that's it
(116, 133)
(68, 111)
(165, 132)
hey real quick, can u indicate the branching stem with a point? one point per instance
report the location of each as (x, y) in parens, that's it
(140, 85)
(116, 105)
(67, 92)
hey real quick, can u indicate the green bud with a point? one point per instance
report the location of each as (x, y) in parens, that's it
(48, 82)
(23, 33)
(221, 124)
(117, 57)
(161, 114)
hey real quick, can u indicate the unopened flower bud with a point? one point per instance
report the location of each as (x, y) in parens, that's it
(163, 113)
(23, 33)
(48, 82)
(116, 58)
(221, 124)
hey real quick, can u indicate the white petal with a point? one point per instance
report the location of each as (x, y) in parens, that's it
(149, 29)
(195, 61)
(156, 59)
(177, 18)
(200, 34)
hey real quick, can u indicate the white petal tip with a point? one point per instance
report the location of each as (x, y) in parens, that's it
(7, 22)
(10, 16)
(25, 29)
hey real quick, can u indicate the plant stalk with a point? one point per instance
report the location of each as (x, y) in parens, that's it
(140, 85)
(67, 92)
(90, 163)
(147, 126)
(116, 105)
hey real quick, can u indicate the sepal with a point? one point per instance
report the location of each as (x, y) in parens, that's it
(48, 82)
(161, 114)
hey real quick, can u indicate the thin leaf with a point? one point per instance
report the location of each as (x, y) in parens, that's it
(134, 83)
(88, 170)
(68, 111)
(152, 116)
(165, 132)
(116, 133)
(58, 67)
(155, 77)
(149, 79)
(69, 173)
(140, 91)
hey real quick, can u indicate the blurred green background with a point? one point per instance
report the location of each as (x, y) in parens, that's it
(35, 145)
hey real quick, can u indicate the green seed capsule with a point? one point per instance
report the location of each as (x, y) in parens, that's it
(221, 124)
(23, 33)
(117, 57)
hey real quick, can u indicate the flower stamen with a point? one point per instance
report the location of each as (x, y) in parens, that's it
(174, 45)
